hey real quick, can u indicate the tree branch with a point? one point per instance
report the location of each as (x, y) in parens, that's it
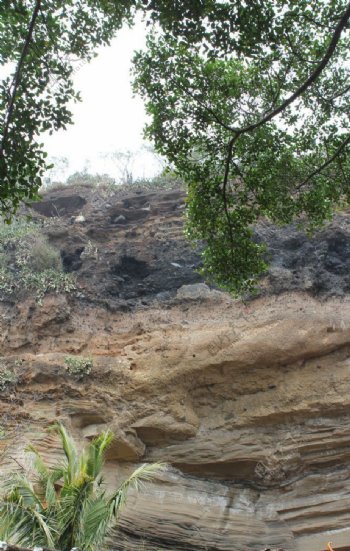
(297, 54)
(201, 103)
(307, 83)
(302, 88)
(17, 76)
(224, 188)
(326, 163)
(312, 78)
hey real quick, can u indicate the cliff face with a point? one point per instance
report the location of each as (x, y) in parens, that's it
(249, 402)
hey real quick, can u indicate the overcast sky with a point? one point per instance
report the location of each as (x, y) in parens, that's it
(109, 118)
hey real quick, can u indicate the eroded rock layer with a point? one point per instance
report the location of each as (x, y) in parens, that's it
(248, 402)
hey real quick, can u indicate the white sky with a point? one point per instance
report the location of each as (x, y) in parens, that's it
(109, 118)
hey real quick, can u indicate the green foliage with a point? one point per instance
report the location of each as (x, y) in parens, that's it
(248, 101)
(66, 505)
(251, 108)
(47, 281)
(90, 180)
(29, 264)
(78, 366)
(106, 186)
(10, 234)
(44, 40)
(44, 257)
(8, 379)
(167, 180)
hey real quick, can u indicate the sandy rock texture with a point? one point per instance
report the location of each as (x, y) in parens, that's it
(249, 403)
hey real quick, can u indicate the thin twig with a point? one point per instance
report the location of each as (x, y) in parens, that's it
(326, 163)
(18, 463)
(201, 103)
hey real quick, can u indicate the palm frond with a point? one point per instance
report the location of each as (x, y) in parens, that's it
(96, 518)
(50, 492)
(144, 473)
(24, 525)
(94, 455)
(57, 472)
(38, 462)
(69, 510)
(50, 542)
(45, 475)
(76, 514)
(19, 489)
(70, 451)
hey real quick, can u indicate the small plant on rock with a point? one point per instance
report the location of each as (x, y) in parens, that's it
(8, 379)
(44, 257)
(78, 366)
(29, 264)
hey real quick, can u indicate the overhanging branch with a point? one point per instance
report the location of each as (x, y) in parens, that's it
(312, 78)
(17, 76)
(324, 165)
(307, 83)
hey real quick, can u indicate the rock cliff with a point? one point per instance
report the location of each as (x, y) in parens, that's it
(248, 401)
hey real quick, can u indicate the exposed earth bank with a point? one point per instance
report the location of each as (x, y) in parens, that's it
(249, 402)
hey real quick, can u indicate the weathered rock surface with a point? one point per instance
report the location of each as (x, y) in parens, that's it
(248, 402)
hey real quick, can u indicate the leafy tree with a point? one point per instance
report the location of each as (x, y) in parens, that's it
(41, 41)
(249, 101)
(87, 179)
(253, 110)
(65, 505)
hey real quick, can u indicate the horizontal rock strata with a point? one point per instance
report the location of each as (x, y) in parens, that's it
(249, 403)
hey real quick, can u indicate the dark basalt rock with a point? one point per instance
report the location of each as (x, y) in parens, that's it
(138, 252)
(319, 264)
(71, 260)
(130, 267)
(59, 206)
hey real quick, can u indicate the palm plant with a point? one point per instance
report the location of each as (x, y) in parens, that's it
(66, 505)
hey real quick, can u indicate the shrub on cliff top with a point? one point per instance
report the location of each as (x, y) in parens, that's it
(44, 257)
(28, 263)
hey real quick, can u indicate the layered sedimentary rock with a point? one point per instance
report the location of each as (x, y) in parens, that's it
(248, 402)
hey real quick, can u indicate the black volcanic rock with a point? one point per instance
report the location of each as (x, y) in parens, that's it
(319, 265)
(129, 248)
(59, 206)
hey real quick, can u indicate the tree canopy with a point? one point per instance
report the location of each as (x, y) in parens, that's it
(249, 102)
(41, 42)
